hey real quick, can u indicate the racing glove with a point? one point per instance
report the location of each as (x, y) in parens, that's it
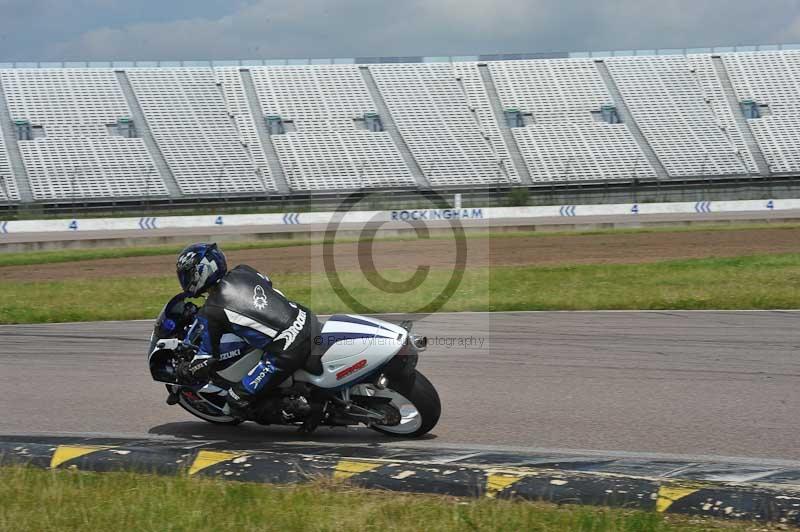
(198, 369)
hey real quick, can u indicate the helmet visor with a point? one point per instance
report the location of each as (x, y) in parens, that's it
(186, 276)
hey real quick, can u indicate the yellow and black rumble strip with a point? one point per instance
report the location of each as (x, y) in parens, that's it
(765, 492)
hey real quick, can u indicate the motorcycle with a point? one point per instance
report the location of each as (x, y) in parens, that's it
(362, 371)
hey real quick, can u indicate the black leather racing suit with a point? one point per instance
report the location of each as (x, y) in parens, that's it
(245, 303)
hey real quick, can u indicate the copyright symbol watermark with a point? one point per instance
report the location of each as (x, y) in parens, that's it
(421, 292)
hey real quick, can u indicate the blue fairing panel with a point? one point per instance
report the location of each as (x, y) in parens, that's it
(230, 343)
(204, 342)
(231, 347)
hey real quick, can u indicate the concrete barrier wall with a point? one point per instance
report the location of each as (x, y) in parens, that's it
(308, 218)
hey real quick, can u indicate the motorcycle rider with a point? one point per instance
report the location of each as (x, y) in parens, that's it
(242, 301)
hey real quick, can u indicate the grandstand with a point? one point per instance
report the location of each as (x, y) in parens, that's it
(325, 150)
(563, 140)
(133, 133)
(8, 187)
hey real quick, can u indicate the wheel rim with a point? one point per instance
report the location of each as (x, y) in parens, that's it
(410, 416)
(189, 405)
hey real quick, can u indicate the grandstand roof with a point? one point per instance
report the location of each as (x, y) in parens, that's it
(365, 60)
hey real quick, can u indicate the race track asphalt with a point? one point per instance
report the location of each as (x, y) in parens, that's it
(696, 383)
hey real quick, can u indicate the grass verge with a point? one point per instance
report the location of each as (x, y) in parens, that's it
(71, 500)
(72, 255)
(754, 282)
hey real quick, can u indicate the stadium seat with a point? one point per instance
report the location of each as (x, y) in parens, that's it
(75, 168)
(681, 114)
(187, 114)
(448, 126)
(77, 158)
(771, 79)
(8, 187)
(326, 151)
(565, 142)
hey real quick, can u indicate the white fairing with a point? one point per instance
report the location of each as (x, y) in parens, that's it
(354, 346)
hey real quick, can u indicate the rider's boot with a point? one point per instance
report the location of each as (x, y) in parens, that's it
(238, 402)
(173, 398)
(257, 382)
(313, 419)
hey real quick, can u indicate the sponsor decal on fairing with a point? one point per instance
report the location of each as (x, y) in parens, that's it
(230, 354)
(361, 364)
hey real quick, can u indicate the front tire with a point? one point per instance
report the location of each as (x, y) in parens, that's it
(419, 406)
(199, 410)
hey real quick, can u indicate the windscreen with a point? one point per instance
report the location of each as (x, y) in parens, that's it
(173, 319)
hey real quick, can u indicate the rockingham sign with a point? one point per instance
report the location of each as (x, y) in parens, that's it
(436, 214)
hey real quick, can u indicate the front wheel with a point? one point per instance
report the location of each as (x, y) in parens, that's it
(198, 407)
(418, 403)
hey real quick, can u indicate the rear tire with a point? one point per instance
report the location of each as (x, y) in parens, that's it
(418, 391)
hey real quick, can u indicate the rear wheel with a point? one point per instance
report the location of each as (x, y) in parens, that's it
(418, 403)
(198, 407)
